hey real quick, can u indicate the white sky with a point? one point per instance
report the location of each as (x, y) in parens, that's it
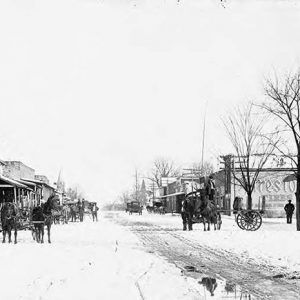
(101, 87)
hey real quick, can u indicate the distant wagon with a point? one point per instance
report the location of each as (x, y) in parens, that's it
(134, 207)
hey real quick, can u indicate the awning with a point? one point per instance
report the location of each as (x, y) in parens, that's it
(174, 194)
(27, 183)
(38, 182)
(14, 182)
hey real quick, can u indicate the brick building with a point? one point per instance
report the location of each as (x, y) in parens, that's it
(270, 193)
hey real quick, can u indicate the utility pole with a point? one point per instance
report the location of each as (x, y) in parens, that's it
(136, 185)
(203, 137)
(153, 189)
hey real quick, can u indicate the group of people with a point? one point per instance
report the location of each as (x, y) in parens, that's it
(78, 209)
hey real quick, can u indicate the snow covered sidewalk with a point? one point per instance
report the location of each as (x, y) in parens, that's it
(89, 261)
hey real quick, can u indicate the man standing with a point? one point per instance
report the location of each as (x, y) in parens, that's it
(81, 209)
(289, 210)
(94, 212)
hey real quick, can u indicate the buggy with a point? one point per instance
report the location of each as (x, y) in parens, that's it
(134, 207)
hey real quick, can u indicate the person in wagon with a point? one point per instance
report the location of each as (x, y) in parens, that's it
(210, 188)
(289, 210)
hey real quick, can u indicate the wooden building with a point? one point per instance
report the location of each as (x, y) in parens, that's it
(13, 191)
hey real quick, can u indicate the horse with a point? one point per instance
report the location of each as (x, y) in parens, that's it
(210, 215)
(43, 215)
(187, 212)
(149, 209)
(38, 219)
(9, 221)
(196, 209)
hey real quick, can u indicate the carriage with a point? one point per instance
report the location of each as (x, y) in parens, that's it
(134, 207)
(246, 219)
(158, 207)
(24, 221)
(14, 218)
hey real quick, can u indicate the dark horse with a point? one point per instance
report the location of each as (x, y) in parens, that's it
(43, 215)
(198, 208)
(9, 221)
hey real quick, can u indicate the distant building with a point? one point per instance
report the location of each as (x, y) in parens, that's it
(19, 183)
(42, 178)
(174, 192)
(271, 191)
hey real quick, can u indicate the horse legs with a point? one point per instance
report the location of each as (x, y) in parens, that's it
(33, 233)
(16, 234)
(36, 233)
(48, 231)
(184, 220)
(4, 235)
(42, 233)
(190, 221)
(9, 234)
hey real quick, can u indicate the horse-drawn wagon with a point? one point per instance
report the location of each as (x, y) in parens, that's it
(134, 207)
(14, 218)
(198, 208)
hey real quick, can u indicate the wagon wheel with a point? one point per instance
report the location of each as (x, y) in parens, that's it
(249, 220)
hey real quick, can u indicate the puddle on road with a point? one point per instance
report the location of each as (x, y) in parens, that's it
(216, 288)
(219, 289)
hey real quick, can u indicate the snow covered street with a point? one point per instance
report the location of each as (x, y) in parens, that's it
(264, 264)
(89, 260)
(150, 257)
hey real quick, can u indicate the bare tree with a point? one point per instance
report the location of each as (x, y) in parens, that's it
(125, 197)
(283, 102)
(163, 167)
(251, 147)
(203, 170)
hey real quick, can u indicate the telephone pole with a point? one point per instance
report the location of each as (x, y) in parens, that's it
(136, 185)
(203, 137)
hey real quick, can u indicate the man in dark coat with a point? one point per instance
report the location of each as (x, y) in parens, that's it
(95, 212)
(210, 188)
(80, 205)
(289, 210)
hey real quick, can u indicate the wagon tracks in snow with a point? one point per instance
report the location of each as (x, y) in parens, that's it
(177, 248)
(139, 278)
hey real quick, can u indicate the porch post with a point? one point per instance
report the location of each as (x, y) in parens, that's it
(15, 194)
